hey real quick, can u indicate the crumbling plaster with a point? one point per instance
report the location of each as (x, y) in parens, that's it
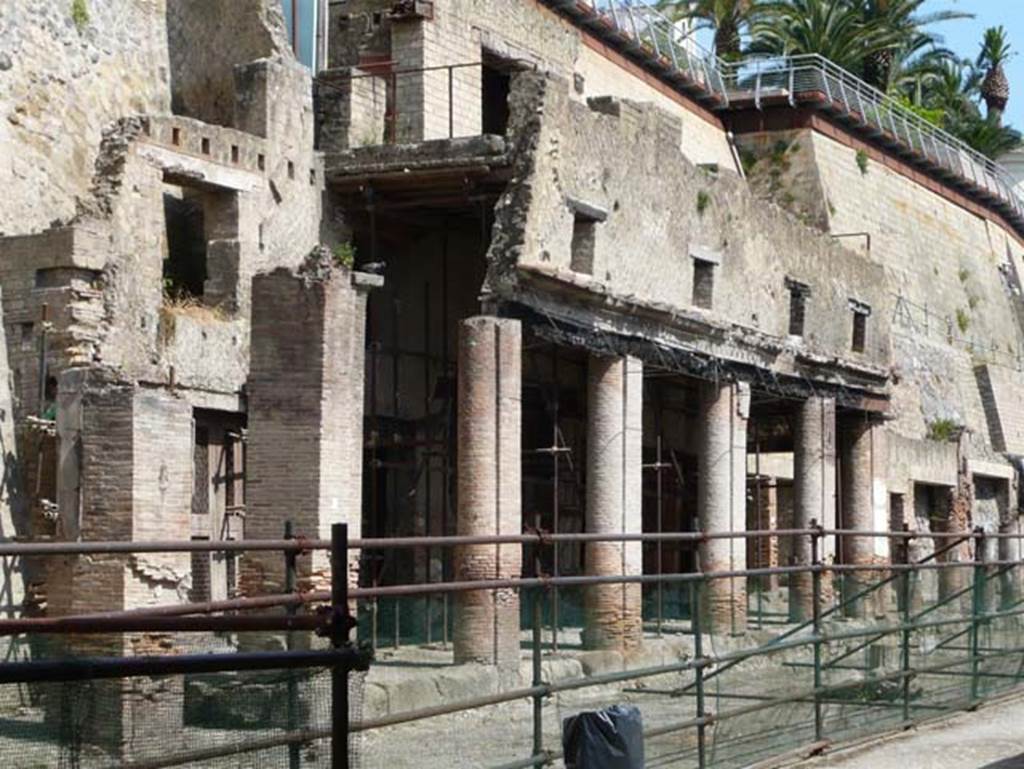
(620, 158)
(939, 256)
(528, 33)
(232, 32)
(60, 87)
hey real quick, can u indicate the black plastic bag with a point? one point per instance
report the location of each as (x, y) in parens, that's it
(612, 738)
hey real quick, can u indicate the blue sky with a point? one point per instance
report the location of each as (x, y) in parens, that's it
(964, 37)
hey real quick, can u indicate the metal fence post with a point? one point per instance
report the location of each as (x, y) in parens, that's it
(816, 613)
(340, 625)
(978, 608)
(696, 588)
(294, 752)
(905, 615)
(538, 679)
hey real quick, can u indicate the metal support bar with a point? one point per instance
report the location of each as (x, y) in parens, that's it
(816, 614)
(698, 673)
(978, 608)
(905, 612)
(340, 626)
(538, 677)
(294, 748)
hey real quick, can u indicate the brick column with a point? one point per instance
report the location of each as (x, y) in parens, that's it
(862, 446)
(814, 499)
(614, 487)
(489, 488)
(126, 460)
(722, 501)
(305, 449)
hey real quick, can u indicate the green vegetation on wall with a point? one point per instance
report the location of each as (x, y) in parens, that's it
(80, 14)
(703, 201)
(963, 320)
(943, 430)
(345, 255)
(862, 162)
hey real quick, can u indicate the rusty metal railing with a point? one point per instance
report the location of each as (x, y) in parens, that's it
(812, 634)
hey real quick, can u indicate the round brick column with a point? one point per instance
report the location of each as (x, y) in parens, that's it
(613, 500)
(814, 497)
(722, 495)
(489, 494)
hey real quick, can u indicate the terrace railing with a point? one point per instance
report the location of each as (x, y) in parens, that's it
(815, 81)
(644, 30)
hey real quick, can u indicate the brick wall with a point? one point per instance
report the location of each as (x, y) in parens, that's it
(534, 36)
(304, 456)
(351, 107)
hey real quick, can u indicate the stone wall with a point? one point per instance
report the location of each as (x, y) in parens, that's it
(134, 476)
(61, 85)
(955, 271)
(351, 109)
(526, 35)
(951, 286)
(657, 215)
(207, 39)
(102, 278)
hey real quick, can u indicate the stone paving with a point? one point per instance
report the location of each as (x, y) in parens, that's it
(990, 738)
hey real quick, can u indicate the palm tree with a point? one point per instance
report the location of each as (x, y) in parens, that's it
(916, 68)
(995, 89)
(905, 22)
(835, 29)
(727, 17)
(953, 92)
(988, 135)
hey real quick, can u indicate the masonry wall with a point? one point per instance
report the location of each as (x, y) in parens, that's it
(535, 37)
(953, 291)
(702, 139)
(231, 32)
(618, 161)
(134, 477)
(304, 457)
(13, 510)
(957, 274)
(60, 86)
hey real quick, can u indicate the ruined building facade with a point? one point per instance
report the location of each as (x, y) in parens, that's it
(482, 265)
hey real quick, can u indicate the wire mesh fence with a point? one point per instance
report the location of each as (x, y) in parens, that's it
(885, 644)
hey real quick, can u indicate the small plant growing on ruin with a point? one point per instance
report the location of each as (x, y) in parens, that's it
(779, 153)
(942, 430)
(703, 201)
(973, 301)
(862, 162)
(345, 255)
(80, 14)
(831, 209)
(748, 159)
(963, 320)
(964, 274)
